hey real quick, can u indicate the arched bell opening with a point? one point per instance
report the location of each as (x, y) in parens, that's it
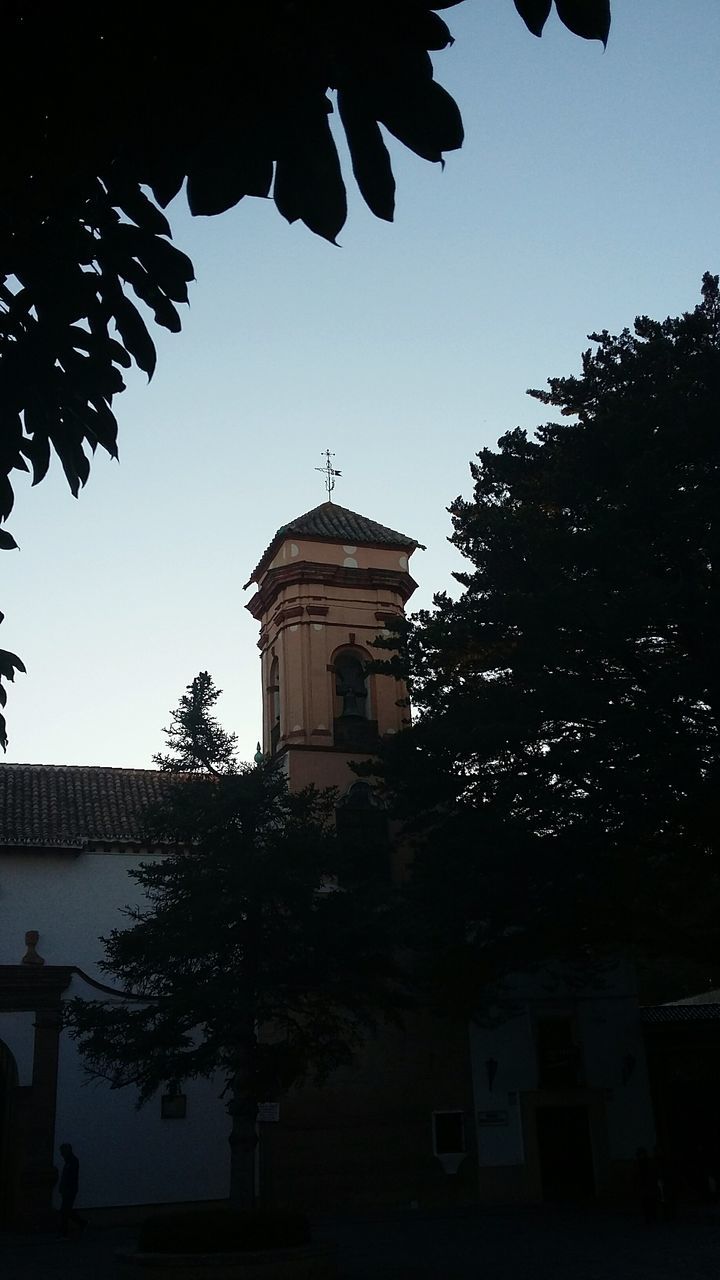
(353, 725)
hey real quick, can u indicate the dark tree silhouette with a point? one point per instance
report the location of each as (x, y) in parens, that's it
(109, 100)
(561, 777)
(264, 948)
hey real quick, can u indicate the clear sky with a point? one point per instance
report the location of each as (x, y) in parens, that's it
(588, 191)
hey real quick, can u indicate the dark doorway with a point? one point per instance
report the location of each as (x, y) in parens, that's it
(692, 1135)
(565, 1152)
(8, 1083)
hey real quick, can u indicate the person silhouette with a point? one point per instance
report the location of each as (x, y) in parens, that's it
(68, 1189)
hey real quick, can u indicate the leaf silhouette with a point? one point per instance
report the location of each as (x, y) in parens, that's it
(534, 14)
(587, 18)
(368, 153)
(135, 336)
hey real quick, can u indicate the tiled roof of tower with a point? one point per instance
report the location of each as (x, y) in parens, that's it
(70, 806)
(332, 523)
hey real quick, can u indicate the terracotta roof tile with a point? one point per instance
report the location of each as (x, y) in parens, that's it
(69, 806)
(332, 523)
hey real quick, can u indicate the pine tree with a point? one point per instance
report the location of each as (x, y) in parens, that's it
(197, 741)
(261, 952)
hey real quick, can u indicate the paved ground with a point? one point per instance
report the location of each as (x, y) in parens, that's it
(477, 1244)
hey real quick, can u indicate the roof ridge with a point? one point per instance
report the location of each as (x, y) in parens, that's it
(104, 768)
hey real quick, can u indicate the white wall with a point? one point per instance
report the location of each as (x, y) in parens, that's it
(611, 1034)
(509, 1045)
(72, 900)
(126, 1156)
(135, 1157)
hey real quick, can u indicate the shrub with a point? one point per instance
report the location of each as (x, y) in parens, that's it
(222, 1231)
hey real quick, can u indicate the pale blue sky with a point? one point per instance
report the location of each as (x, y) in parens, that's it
(587, 191)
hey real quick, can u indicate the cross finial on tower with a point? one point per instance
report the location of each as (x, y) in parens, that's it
(329, 472)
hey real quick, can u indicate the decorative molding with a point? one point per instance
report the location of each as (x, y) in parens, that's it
(326, 749)
(370, 628)
(331, 575)
(288, 611)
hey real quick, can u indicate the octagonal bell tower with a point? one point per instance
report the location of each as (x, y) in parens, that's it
(327, 586)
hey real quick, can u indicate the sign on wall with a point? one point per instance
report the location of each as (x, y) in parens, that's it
(268, 1112)
(492, 1117)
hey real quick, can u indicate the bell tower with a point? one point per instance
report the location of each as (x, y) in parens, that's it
(327, 585)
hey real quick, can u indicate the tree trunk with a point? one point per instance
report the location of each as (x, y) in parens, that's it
(243, 1085)
(242, 1108)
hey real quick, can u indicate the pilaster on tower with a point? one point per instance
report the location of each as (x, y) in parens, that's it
(327, 586)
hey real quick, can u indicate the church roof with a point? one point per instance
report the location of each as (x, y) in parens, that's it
(72, 806)
(332, 523)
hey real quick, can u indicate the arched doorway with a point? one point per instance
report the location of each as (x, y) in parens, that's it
(8, 1153)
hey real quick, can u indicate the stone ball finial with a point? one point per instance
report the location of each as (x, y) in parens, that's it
(32, 937)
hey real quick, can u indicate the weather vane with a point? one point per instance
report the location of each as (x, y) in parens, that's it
(329, 472)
